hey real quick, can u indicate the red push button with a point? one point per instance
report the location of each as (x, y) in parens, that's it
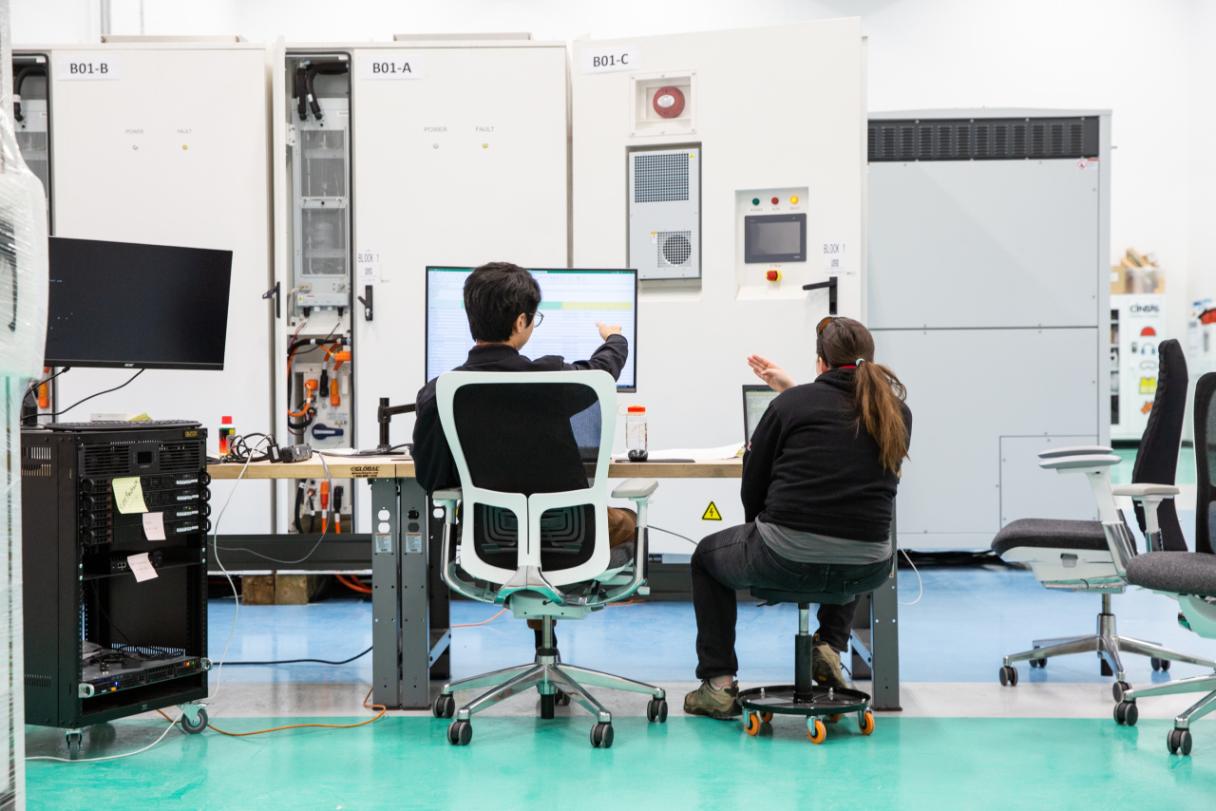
(773, 275)
(776, 200)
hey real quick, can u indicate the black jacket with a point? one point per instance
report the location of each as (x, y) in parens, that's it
(813, 467)
(433, 461)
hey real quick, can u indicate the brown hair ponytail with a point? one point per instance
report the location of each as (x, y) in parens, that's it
(878, 392)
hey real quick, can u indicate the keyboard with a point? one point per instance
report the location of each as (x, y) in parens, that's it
(118, 425)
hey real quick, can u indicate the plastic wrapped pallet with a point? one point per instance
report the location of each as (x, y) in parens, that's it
(23, 307)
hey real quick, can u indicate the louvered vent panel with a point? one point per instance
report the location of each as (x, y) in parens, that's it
(982, 139)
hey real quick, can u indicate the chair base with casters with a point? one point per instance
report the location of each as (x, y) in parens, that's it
(1068, 555)
(1107, 644)
(803, 699)
(1164, 572)
(557, 683)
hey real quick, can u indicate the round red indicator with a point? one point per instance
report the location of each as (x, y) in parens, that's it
(668, 101)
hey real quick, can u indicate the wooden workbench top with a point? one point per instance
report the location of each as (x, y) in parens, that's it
(398, 467)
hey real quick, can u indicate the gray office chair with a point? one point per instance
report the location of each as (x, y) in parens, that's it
(534, 530)
(1091, 556)
(1188, 577)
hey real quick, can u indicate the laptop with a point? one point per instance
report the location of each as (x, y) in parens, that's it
(755, 403)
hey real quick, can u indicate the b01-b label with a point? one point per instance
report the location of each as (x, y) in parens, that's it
(101, 68)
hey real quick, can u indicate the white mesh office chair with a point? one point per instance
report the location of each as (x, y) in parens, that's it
(1188, 577)
(532, 450)
(1092, 556)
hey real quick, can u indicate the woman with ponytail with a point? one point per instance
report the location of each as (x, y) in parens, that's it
(819, 482)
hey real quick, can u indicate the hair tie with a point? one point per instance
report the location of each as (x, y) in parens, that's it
(859, 361)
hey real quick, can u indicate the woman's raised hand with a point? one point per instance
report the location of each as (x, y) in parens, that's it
(777, 378)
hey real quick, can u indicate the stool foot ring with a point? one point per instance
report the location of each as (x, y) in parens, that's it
(761, 704)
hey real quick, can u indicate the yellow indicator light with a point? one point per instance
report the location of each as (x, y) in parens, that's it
(793, 199)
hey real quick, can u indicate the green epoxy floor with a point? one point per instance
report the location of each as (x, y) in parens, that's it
(513, 762)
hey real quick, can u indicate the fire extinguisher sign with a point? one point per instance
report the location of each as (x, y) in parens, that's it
(611, 58)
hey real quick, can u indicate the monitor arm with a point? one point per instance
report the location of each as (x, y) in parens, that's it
(384, 416)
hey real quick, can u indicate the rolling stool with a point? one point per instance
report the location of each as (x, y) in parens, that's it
(760, 704)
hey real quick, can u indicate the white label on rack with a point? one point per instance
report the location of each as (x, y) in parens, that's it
(86, 67)
(391, 65)
(154, 526)
(611, 59)
(141, 567)
(368, 263)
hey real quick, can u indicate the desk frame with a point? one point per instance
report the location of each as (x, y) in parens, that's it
(411, 634)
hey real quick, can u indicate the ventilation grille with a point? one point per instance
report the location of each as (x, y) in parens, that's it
(674, 248)
(36, 462)
(660, 177)
(106, 460)
(181, 456)
(982, 139)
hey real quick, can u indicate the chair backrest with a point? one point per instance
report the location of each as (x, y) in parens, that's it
(1205, 462)
(1157, 460)
(530, 496)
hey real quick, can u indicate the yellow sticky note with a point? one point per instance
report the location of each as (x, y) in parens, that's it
(129, 495)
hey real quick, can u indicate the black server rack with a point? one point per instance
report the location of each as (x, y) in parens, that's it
(100, 645)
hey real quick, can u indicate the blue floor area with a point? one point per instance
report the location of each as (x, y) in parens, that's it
(965, 622)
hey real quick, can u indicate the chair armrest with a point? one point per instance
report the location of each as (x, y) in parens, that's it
(449, 495)
(1079, 450)
(635, 488)
(1144, 491)
(1085, 461)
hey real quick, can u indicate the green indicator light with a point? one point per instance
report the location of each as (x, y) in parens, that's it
(755, 201)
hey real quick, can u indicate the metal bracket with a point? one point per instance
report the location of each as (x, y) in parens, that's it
(831, 286)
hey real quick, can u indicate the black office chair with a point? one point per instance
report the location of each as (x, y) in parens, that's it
(802, 698)
(1188, 577)
(1085, 555)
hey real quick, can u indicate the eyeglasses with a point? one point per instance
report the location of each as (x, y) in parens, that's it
(823, 324)
(537, 318)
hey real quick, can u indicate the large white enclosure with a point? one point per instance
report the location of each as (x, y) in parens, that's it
(726, 166)
(459, 156)
(988, 242)
(168, 143)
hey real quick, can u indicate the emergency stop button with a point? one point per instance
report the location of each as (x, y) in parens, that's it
(773, 275)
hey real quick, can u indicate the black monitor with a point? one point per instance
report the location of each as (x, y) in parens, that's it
(136, 306)
(573, 302)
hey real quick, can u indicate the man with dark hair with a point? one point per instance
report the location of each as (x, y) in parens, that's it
(501, 301)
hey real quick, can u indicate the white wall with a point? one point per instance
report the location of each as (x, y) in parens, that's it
(1136, 57)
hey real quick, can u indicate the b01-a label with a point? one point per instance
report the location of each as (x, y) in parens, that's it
(391, 65)
(86, 68)
(611, 58)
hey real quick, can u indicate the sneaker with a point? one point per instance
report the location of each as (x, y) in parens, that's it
(826, 668)
(715, 702)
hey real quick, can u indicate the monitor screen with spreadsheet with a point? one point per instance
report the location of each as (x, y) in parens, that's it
(572, 301)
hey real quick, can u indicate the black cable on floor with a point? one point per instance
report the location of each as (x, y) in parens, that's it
(303, 661)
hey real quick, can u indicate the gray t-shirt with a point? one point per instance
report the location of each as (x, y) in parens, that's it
(810, 547)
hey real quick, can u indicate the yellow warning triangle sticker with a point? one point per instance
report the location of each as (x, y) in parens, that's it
(711, 513)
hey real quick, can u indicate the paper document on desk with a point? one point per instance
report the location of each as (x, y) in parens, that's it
(721, 453)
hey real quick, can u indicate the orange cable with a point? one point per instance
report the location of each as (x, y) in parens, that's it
(380, 710)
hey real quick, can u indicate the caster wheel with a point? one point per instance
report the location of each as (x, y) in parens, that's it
(444, 706)
(816, 732)
(74, 741)
(601, 736)
(197, 725)
(1159, 665)
(561, 698)
(1179, 742)
(1126, 713)
(656, 710)
(753, 724)
(1118, 689)
(547, 703)
(1009, 676)
(866, 723)
(460, 733)
(1104, 668)
(1039, 663)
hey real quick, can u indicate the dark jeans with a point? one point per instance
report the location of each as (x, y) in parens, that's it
(736, 559)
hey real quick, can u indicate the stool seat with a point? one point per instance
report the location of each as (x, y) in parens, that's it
(775, 596)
